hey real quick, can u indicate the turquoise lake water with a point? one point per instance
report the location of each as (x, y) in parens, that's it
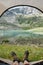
(13, 33)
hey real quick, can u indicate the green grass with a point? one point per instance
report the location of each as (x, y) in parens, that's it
(36, 53)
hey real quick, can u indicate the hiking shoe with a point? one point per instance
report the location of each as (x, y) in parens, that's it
(26, 54)
(15, 58)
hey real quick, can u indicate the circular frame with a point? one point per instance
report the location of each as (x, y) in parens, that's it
(21, 5)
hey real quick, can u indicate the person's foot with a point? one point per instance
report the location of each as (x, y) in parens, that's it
(15, 63)
(26, 63)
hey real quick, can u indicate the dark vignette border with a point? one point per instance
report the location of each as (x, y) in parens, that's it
(21, 5)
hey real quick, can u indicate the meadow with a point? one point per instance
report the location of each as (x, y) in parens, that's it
(36, 53)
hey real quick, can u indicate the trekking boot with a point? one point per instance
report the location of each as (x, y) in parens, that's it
(25, 59)
(15, 58)
(26, 54)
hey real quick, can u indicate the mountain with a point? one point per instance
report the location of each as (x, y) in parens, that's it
(22, 21)
(21, 10)
(7, 25)
(22, 17)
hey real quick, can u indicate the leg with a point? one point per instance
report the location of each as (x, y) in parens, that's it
(16, 61)
(26, 61)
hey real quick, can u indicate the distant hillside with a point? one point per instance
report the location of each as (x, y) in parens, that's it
(22, 17)
(29, 21)
(7, 25)
(22, 21)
